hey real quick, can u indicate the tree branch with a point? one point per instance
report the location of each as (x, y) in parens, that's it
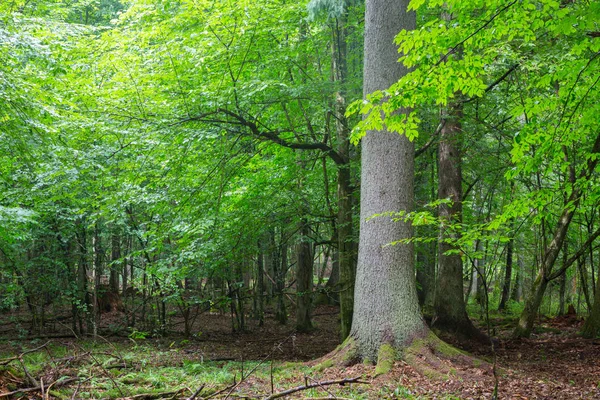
(272, 136)
(340, 382)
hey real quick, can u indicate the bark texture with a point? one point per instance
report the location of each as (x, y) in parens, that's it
(304, 276)
(386, 310)
(346, 257)
(591, 328)
(450, 312)
(507, 275)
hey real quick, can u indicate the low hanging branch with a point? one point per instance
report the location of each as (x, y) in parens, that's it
(340, 382)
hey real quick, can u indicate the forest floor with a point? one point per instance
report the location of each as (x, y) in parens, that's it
(555, 363)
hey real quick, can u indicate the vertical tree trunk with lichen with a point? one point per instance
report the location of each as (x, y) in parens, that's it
(386, 310)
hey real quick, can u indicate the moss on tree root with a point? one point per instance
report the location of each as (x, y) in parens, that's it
(428, 355)
(385, 359)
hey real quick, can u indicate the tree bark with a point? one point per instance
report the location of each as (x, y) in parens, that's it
(386, 308)
(259, 286)
(584, 283)
(116, 263)
(591, 328)
(97, 247)
(426, 274)
(304, 277)
(507, 275)
(517, 292)
(280, 266)
(450, 312)
(426, 252)
(344, 224)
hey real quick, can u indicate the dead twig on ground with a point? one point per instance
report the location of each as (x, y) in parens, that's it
(197, 392)
(151, 396)
(340, 382)
(39, 387)
(9, 360)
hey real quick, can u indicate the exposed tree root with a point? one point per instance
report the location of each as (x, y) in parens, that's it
(435, 358)
(428, 355)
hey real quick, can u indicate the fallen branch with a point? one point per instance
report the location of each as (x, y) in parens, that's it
(151, 396)
(36, 388)
(9, 360)
(340, 382)
(196, 393)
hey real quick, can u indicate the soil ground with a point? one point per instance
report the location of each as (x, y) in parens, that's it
(555, 363)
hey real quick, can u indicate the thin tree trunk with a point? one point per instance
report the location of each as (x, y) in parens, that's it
(507, 275)
(97, 247)
(561, 294)
(591, 328)
(344, 224)
(517, 292)
(280, 267)
(304, 277)
(115, 263)
(259, 287)
(584, 283)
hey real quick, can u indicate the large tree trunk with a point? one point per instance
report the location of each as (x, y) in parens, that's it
(450, 313)
(386, 309)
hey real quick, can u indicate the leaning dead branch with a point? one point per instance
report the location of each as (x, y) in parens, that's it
(340, 382)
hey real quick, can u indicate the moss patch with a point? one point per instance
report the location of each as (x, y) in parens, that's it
(385, 359)
(328, 363)
(430, 355)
